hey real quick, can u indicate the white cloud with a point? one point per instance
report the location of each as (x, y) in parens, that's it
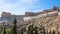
(6, 6)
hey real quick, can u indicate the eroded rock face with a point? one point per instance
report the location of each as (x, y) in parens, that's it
(51, 21)
(51, 14)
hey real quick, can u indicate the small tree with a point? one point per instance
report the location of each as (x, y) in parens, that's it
(14, 30)
(30, 29)
(44, 31)
(35, 29)
(4, 30)
(50, 32)
(21, 31)
(53, 32)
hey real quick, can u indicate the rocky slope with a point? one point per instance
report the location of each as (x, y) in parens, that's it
(51, 21)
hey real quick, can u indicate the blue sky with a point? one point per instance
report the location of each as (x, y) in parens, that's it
(19, 7)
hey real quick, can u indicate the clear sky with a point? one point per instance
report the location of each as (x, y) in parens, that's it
(21, 6)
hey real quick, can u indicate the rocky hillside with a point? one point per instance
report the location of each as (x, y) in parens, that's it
(51, 20)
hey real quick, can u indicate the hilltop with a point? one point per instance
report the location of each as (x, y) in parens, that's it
(49, 19)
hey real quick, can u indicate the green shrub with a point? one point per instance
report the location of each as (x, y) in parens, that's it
(8, 31)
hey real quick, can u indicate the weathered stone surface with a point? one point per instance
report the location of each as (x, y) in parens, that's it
(51, 21)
